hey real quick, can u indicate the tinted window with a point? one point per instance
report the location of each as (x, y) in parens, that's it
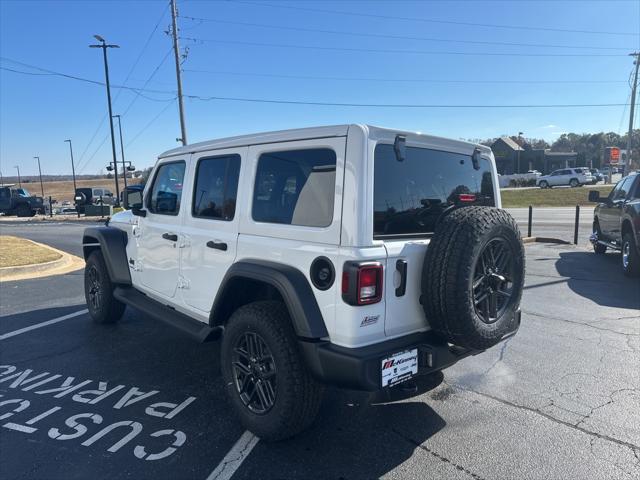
(624, 187)
(295, 187)
(166, 190)
(410, 196)
(216, 187)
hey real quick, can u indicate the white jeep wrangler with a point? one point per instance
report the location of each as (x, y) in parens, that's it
(348, 255)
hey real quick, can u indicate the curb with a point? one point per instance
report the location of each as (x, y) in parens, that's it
(65, 264)
(527, 240)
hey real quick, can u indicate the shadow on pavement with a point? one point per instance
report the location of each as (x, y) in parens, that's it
(599, 278)
(356, 436)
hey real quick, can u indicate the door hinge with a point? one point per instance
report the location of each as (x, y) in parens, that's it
(183, 283)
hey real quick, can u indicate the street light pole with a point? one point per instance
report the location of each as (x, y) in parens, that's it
(19, 181)
(40, 172)
(124, 167)
(103, 45)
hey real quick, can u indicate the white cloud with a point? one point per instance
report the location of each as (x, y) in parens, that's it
(551, 125)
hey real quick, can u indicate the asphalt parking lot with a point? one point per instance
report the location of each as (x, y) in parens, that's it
(561, 399)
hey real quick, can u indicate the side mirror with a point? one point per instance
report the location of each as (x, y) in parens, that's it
(133, 200)
(138, 212)
(594, 196)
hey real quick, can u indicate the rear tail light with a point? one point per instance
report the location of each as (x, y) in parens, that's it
(362, 283)
(467, 197)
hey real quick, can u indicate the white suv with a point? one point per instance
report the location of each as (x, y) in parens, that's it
(573, 177)
(347, 255)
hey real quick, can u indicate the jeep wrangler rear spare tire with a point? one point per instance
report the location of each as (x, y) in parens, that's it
(266, 378)
(473, 277)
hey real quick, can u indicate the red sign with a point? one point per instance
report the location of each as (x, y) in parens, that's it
(614, 155)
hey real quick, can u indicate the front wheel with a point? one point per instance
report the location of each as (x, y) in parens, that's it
(98, 291)
(630, 256)
(598, 247)
(544, 184)
(266, 378)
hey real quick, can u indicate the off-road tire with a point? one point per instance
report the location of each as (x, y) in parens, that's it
(297, 395)
(544, 184)
(107, 309)
(24, 210)
(573, 183)
(632, 269)
(448, 276)
(598, 247)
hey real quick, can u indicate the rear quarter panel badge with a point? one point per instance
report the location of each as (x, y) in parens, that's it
(369, 320)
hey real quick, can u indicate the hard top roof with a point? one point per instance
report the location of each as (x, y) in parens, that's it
(284, 136)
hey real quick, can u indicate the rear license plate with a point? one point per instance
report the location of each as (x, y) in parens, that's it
(399, 367)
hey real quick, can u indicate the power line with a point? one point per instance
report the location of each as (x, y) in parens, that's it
(149, 124)
(381, 105)
(445, 22)
(400, 37)
(399, 105)
(394, 80)
(396, 51)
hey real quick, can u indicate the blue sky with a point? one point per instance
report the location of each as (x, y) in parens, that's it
(38, 112)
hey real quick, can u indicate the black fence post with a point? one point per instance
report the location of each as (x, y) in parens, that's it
(530, 221)
(50, 207)
(575, 231)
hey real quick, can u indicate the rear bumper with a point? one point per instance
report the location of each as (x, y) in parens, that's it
(360, 368)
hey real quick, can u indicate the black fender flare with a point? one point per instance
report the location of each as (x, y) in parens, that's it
(292, 285)
(112, 242)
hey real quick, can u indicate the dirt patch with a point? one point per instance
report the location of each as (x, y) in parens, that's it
(15, 251)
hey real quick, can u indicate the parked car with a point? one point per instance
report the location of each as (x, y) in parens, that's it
(573, 177)
(311, 270)
(616, 222)
(18, 201)
(535, 172)
(597, 175)
(92, 196)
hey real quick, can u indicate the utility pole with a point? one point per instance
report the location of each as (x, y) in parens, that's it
(103, 45)
(73, 169)
(628, 163)
(40, 172)
(124, 166)
(176, 52)
(19, 181)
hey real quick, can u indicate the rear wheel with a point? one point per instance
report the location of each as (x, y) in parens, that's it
(574, 182)
(24, 210)
(473, 277)
(630, 256)
(98, 291)
(266, 378)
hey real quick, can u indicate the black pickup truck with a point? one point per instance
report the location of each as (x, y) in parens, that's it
(18, 201)
(616, 222)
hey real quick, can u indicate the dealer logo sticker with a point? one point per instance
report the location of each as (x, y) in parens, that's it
(369, 320)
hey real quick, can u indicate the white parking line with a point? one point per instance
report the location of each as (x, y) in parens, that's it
(232, 460)
(43, 324)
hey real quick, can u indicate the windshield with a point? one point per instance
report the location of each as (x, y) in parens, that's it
(411, 196)
(22, 192)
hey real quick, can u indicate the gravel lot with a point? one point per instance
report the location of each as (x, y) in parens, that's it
(561, 399)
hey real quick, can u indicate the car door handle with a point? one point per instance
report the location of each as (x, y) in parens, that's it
(217, 245)
(401, 267)
(170, 236)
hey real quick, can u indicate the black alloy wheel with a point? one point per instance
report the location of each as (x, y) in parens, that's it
(94, 292)
(254, 373)
(492, 286)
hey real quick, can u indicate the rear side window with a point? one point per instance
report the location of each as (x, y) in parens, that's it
(216, 187)
(166, 191)
(409, 197)
(295, 187)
